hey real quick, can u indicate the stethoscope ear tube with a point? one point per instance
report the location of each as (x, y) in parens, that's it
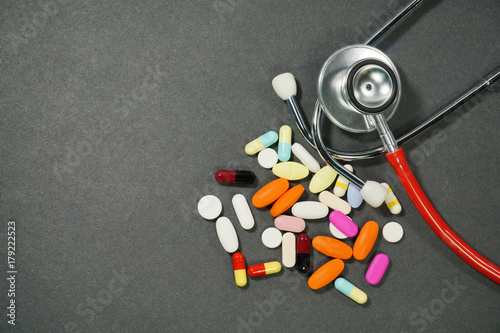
(400, 165)
(372, 192)
(322, 150)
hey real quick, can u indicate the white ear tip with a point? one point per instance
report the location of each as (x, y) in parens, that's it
(285, 86)
(374, 193)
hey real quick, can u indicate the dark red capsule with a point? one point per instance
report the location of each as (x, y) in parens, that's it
(235, 177)
(303, 257)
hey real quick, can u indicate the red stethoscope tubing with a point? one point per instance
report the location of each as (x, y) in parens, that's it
(400, 165)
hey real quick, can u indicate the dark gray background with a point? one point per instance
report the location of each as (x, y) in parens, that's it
(116, 114)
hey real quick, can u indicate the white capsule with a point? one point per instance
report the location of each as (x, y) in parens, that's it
(243, 212)
(288, 250)
(310, 210)
(227, 235)
(392, 201)
(342, 183)
(305, 157)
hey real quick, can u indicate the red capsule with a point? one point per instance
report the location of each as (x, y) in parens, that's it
(264, 269)
(303, 244)
(303, 258)
(238, 261)
(235, 177)
(240, 274)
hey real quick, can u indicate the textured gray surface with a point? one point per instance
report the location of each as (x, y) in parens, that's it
(115, 115)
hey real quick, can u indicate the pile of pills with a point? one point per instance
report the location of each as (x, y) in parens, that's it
(281, 198)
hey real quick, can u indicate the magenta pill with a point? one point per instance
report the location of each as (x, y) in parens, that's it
(377, 269)
(289, 223)
(343, 223)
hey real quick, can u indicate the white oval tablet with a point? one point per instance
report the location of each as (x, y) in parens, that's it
(334, 202)
(392, 232)
(336, 232)
(310, 210)
(305, 157)
(271, 237)
(267, 158)
(243, 211)
(227, 235)
(288, 250)
(209, 207)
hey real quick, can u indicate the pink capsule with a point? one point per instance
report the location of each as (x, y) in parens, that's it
(343, 223)
(377, 269)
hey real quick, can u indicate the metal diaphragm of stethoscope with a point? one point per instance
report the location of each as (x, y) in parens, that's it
(359, 89)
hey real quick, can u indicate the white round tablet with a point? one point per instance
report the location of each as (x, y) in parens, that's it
(271, 237)
(336, 232)
(209, 207)
(392, 232)
(267, 158)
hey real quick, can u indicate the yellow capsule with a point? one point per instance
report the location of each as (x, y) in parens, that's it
(351, 291)
(285, 143)
(392, 201)
(272, 267)
(290, 170)
(263, 141)
(240, 277)
(267, 268)
(322, 179)
(342, 183)
(240, 272)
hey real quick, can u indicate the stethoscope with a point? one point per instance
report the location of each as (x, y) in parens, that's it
(359, 89)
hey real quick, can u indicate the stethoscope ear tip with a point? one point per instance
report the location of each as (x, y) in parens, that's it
(374, 193)
(285, 86)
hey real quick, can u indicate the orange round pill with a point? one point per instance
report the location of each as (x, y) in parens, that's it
(270, 192)
(332, 247)
(326, 274)
(287, 200)
(365, 241)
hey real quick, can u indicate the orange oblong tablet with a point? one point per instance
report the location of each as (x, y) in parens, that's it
(270, 192)
(332, 247)
(365, 241)
(326, 274)
(287, 200)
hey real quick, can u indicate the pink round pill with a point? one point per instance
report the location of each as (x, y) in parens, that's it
(377, 268)
(289, 223)
(343, 223)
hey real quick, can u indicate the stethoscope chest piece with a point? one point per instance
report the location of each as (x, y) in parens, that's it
(356, 82)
